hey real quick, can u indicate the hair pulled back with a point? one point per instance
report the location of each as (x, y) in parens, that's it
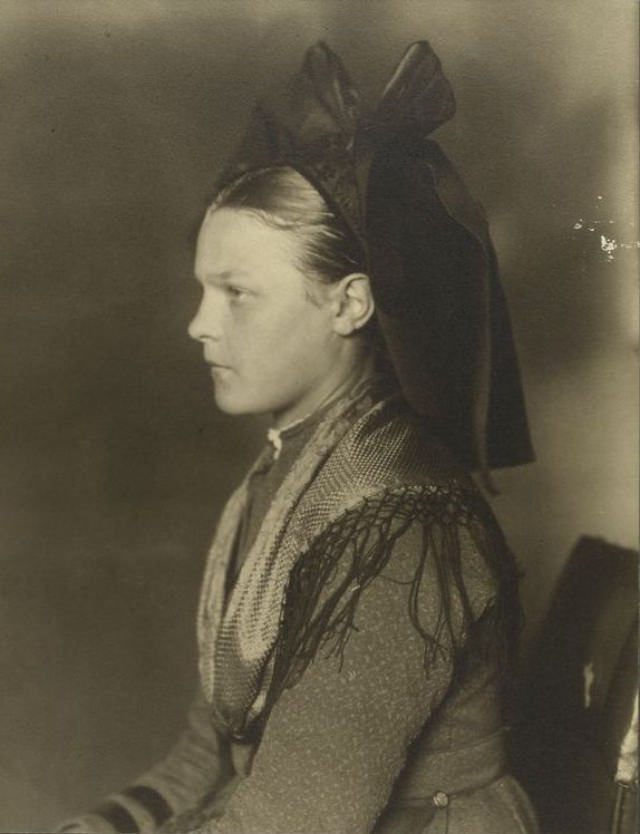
(284, 199)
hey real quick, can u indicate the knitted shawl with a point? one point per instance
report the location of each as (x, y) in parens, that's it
(369, 471)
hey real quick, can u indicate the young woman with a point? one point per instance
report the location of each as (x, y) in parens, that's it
(359, 606)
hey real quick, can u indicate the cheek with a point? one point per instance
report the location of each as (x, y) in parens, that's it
(301, 340)
(291, 336)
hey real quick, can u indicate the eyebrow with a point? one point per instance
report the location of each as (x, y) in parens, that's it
(222, 277)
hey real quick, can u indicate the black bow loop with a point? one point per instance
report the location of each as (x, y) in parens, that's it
(417, 99)
(334, 88)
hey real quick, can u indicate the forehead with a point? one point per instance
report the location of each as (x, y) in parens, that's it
(232, 240)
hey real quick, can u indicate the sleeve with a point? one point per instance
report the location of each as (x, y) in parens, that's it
(197, 766)
(335, 742)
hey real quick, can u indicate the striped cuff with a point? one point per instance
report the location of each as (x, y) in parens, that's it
(136, 810)
(154, 803)
(118, 817)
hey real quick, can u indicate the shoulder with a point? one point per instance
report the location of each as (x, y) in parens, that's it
(391, 446)
(391, 565)
(391, 531)
(387, 463)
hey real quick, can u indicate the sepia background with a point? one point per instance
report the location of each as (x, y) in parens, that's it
(114, 461)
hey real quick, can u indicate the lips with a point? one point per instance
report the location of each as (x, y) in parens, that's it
(219, 373)
(213, 364)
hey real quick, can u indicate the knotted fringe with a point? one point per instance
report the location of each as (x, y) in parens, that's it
(358, 546)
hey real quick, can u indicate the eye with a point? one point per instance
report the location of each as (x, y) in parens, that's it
(236, 293)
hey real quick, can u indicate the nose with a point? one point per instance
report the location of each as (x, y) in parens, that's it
(195, 326)
(205, 324)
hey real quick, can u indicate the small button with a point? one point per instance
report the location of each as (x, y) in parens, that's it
(440, 799)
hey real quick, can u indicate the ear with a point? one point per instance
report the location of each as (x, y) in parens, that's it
(352, 303)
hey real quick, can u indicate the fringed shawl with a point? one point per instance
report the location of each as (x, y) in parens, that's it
(369, 472)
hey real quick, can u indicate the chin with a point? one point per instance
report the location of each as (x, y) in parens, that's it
(239, 406)
(229, 406)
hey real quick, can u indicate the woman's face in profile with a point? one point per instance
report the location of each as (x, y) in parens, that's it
(269, 347)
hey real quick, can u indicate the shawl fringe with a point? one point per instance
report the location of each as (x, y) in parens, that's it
(356, 548)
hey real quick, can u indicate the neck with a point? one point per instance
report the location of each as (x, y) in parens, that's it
(334, 387)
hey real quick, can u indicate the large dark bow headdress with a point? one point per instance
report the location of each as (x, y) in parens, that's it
(433, 269)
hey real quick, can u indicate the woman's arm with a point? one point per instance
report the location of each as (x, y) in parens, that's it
(197, 765)
(335, 743)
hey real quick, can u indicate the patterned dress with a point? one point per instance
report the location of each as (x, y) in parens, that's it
(357, 614)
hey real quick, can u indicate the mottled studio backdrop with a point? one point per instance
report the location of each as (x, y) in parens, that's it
(115, 116)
